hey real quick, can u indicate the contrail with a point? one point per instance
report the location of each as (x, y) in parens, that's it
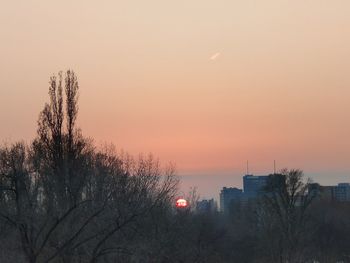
(215, 56)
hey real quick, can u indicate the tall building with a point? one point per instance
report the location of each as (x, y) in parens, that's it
(254, 185)
(228, 195)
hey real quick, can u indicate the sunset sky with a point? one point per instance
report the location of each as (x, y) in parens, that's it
(204, 84)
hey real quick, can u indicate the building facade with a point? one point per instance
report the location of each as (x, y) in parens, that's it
(253, 185)
(341, 192)
(206, 206)
(228, 195)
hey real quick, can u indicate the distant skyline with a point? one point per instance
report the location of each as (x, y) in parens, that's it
(203, 84)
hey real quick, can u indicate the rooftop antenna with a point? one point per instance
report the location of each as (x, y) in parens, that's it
(247, 167)
(274, 166)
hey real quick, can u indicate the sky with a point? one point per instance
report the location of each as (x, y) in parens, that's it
(206, 84)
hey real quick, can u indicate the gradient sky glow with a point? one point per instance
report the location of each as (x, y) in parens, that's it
(205, 84)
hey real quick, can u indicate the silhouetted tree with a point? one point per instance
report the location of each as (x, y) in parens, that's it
(285, 211)
(66, 201)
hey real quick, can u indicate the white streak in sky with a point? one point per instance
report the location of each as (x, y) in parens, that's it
(215, 56)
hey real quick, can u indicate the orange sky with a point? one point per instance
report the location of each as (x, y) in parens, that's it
(205, 84)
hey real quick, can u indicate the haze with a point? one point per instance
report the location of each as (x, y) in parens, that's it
(204, 84)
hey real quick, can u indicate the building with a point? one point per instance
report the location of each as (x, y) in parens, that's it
(341, 192)
(320, 192)
(254, 185)
(206, 206)
(228, 195)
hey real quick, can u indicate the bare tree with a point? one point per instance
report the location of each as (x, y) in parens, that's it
(68, 201)
(286, 202)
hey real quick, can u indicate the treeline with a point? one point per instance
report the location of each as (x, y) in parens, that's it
(64, 200)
